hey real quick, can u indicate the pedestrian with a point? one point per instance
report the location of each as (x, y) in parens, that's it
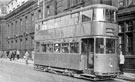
(122, 61)
(26, 57)
(17, 54)
(13, 54)
(10, 55)
(7, 53)
(32, 55)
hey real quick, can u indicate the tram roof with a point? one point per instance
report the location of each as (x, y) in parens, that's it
(103, 6)
(81, 9)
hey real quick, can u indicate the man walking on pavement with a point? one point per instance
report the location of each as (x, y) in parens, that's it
(26, 57)
(122, 61)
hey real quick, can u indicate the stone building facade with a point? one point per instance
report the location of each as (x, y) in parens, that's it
(20, 26)
(2, 27)
(126, 20)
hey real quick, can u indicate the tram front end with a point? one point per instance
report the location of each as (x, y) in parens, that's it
(106, 56)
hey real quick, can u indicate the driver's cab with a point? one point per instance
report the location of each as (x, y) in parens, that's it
(95, 50)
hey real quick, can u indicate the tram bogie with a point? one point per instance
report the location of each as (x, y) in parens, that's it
(87, 46)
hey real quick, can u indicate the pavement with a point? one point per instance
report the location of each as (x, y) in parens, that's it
(129, 77)
(19, 61)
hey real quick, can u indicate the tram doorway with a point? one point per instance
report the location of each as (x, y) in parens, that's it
(88, 50)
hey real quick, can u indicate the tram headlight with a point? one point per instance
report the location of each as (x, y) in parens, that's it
(111, 65)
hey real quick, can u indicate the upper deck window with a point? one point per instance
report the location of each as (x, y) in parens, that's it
(100, 14)
(86, 15)
(109, 15)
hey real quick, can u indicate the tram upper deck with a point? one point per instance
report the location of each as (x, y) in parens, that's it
(98, 19)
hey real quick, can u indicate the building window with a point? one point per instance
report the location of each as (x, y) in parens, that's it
(129, 45)
(20, 40)
(129, 26)
(120, 3)
(39, 14)
(74, 2)
(32, 18)
(108, 2)
(121, 27)
(21, 23)
(26, 38)
(48, 10)
(26, 22)
(121, 41)
(128, 2)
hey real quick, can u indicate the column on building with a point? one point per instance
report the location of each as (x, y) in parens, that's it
(133, 37)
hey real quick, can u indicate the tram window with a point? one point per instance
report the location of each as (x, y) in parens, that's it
(57, 47)
(43, 46)
(98, 14)
(87, 45)
(84, 47)
(65, 47)
(109, 15)
(100, 45)
(74, 47)
(75, 18)
(86, 15)
(37, 46)
(49, 48)
(110, 45)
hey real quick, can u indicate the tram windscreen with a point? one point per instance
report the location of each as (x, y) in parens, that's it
(100, 45)
(101, 14)
(110, 46)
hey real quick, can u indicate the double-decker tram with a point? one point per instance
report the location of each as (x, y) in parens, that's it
(79, 42)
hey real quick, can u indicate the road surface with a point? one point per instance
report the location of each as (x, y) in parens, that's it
(10, 71)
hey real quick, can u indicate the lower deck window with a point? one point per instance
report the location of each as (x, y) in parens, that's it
(43, 46)
(65, 47)
(37, 49)
(74, 47)
(50, 48)
(56, 47)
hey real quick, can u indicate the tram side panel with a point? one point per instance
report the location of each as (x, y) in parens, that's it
(69, 61)
(106, 64)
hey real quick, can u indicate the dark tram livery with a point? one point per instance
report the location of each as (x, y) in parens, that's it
(80, 42)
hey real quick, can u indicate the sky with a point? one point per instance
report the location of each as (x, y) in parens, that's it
(3, 1)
